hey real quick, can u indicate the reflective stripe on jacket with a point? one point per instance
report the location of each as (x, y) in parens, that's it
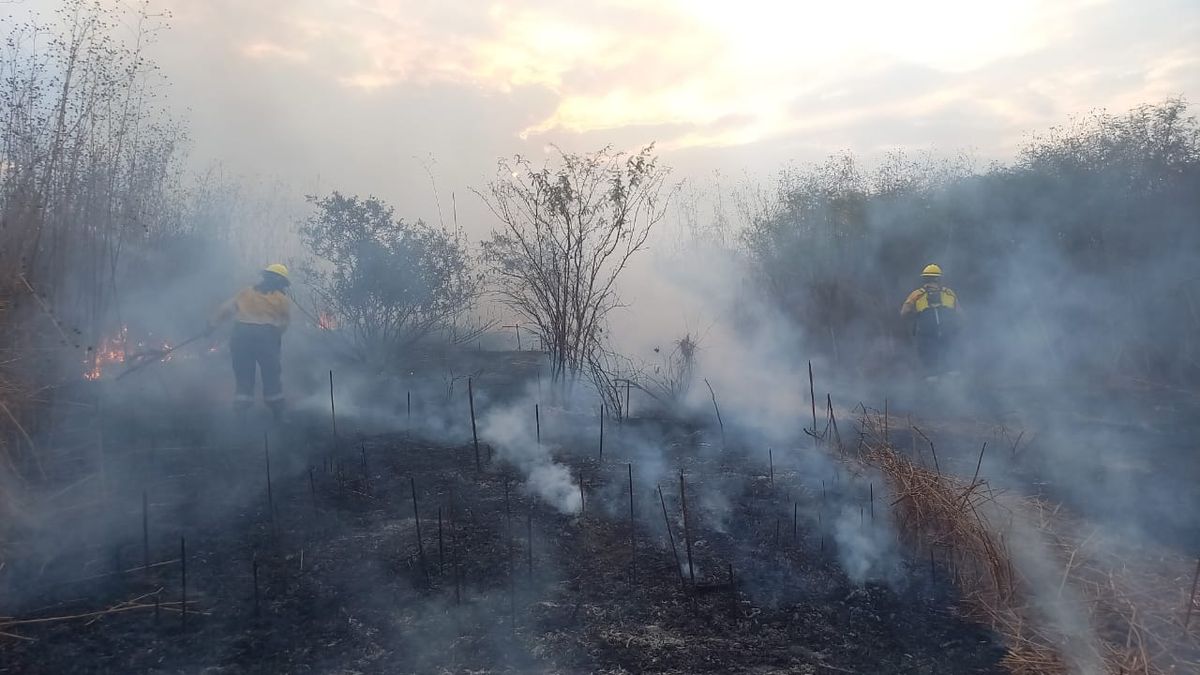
(255, 307)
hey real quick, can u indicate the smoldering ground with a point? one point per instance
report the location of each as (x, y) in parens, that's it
(1055, 361)
(448, 601)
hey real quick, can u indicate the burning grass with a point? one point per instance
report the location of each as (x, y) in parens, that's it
(1063, 601)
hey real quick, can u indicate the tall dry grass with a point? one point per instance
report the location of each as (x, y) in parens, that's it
(1063, 595)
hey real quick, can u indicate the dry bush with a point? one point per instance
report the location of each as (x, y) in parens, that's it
(90, 178)
(1102, 210)
(567, 235)
(1131, 600)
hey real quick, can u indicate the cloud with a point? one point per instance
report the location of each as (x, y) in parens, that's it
(269, 50)
(720, 73)
(346, 93)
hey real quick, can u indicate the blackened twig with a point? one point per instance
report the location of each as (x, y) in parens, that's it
(627, 408)
(474, 432)
(718, 409)
(932, 450)
(632, 531)
(671, 537)
(183, 579)
(833, 419)
(332, 407)
(312, 488)
(582, 501)
(687, 536)
(812, 395)
(270, 497)
(885, 421)
(979, 464)
(455, 554)
(146, 533)
(601, 456)
(1187, 619)
(417, 517)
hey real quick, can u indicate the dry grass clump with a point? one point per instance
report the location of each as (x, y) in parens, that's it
(1062, 601)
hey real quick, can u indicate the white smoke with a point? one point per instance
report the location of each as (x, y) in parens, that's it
(511, 431)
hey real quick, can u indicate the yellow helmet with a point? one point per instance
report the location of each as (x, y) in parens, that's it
(277, 268)
(929, 271)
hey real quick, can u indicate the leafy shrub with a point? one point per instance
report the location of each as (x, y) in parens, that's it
(389, 283)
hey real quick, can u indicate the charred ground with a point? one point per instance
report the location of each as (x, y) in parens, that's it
(499, 583)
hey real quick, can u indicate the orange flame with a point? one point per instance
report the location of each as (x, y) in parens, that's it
(117, 350)
(110, 351)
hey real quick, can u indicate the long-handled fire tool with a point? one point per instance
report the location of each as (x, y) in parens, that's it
(143, 359)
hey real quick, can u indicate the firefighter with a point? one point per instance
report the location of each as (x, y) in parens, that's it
(260, 314)
(934, 312)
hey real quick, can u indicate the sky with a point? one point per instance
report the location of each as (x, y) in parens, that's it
(415, 100)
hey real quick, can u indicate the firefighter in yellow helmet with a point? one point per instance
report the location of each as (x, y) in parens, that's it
(934, 311)
(261, 314)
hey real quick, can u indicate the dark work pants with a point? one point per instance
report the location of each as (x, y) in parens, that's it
(256, 346)
(929, 348)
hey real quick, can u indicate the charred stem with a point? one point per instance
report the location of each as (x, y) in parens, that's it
(670, 537)
(474, 432)
(332, 408)
(687, 536)
(417, 517)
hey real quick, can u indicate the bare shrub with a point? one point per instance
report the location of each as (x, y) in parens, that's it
(568, 233)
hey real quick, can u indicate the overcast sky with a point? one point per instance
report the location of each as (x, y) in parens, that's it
(366, 95)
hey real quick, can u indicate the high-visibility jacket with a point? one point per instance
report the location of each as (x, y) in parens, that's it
(253, 306)
(929, 296)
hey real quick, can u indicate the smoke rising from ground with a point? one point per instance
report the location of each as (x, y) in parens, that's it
(1073, 262)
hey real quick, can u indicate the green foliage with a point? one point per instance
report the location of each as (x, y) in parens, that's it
(1091, 234)
(389, 283)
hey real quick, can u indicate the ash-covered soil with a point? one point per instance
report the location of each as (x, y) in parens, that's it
(497, 584)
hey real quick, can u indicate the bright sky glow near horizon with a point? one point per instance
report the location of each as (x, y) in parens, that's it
(373, 96)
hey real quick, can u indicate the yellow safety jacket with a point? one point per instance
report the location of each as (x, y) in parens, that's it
(919, 300)
(255, 307)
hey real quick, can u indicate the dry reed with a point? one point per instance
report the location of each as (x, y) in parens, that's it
(1131, 599)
